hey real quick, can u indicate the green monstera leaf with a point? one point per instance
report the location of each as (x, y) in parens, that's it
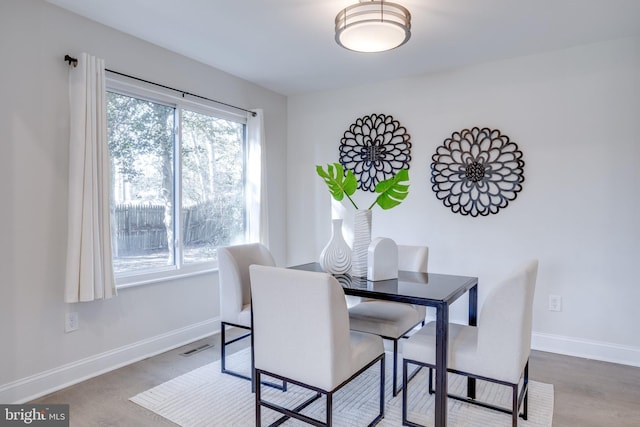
(339, 184)
(393, 190)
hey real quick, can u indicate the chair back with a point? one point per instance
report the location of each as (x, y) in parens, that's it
(413, 258)
(235, 285)
(504, 324)
(300, 326)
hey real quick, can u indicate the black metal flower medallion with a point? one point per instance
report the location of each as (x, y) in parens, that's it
(477, 172)
(375, 148)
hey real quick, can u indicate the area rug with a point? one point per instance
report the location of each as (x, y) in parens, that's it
(205, 397)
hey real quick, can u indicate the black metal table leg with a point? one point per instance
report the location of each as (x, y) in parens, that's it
(473, 321)
(442, 331)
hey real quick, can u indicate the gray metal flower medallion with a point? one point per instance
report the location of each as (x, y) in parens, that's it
(477, 172)
(375, 148)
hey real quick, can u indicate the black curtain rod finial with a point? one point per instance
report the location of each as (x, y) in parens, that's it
(71, 60)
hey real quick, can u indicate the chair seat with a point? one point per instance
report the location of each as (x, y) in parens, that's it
(421, 309)
(240, 318)
(421, 346)
(387, 319)
(364, 348)
(244, 317)
(463, 352)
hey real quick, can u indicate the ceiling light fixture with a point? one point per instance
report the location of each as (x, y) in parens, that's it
(373, 26)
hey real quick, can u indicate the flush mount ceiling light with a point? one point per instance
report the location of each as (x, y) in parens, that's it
(373, 26)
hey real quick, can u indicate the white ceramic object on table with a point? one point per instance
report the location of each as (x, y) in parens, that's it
(361, 241)
(382, 259)
(335, 258)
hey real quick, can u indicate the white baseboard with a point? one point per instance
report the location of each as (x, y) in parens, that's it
(38, 385)
(43, 383)
(588, 349)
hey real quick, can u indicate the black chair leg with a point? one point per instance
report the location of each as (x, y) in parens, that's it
(396, 388)
(519, 398)
(223, 352)
(516, 410)
(395, 368)
(223, 359)
(258, 403)
(405, 386)
(431, 390)
(382, 388)
(295, 413)
(526, 395)
(222, 347)
(406, 378)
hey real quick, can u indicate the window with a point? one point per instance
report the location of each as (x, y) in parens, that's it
(178, 175)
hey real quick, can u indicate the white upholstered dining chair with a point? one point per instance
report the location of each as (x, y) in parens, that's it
(497, 350)
(301, 336)
(235, 292)
(393, 320)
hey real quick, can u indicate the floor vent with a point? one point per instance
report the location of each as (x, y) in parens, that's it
(196, 350)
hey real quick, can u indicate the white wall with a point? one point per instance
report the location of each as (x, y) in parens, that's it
(35, 353)
(574, 113)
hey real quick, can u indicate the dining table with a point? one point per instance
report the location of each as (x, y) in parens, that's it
(428, 289)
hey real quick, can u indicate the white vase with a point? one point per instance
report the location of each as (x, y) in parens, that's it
(361, 241)
(336, 256)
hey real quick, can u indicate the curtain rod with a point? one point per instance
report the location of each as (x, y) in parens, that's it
(74, 62)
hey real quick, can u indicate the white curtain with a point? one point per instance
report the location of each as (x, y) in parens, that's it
(89, 274)
(256, 177)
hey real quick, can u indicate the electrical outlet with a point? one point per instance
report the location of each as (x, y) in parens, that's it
(71, 322)
(555, 303)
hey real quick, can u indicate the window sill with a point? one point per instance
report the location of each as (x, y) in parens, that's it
(130, 281)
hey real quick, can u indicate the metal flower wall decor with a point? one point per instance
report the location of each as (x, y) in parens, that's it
(375, 148)
(477, 172)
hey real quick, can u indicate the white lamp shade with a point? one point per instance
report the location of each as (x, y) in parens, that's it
(373, 26)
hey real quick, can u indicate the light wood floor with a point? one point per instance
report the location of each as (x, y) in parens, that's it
(587, 392)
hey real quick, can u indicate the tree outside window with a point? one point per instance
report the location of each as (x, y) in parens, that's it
(178, 181)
